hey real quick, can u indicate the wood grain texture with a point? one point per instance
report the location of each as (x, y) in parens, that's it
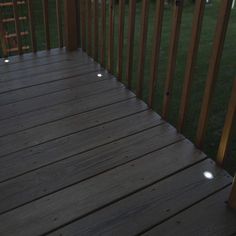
(64, 147)
(210, 217)
(105, 188)
(54, 177)
(138, 212)
(69, 125)
(49, 100)
(72, 81)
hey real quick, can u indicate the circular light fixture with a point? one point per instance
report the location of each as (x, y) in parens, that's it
(6, 60)
(99, 75)
(208, 175)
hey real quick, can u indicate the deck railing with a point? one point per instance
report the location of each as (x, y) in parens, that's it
(93, 26)
(90, 38)
(29, 26)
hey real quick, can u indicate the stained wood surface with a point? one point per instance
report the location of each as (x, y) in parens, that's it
(209, 217)
(81, 155)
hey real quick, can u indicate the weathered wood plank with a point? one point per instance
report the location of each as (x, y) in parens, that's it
(210, 217)
(60, 74)
(69, 125)
(52, 86)
(43, 69)
(61, 111)
(77, 56)
(54, 177)
(64, 147)
(52, 99)
(154, 204)
(53, 211)
(27, 57)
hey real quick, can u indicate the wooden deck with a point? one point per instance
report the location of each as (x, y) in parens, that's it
(81, 155)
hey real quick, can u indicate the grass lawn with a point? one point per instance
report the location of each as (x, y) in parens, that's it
(227, 71)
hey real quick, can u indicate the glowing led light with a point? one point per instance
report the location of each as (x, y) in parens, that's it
(6, 60)
(208, 175)
(99, 75)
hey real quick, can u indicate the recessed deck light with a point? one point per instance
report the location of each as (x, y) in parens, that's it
(208, 175)
(6, 60)
(99, 75)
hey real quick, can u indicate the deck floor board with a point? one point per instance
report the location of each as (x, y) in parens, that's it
(81, 155)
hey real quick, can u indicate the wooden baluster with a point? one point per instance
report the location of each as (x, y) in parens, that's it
(120, 38)
(131, 27)
(59, 23)
(31, 26)
(2, 40)
(83, 24)
(228, 127)
(156, 49)
(89, 27)
(218, 44)
(174, 40)
(110, 52)
(95, 24)
(232, 197)
(71, 28)
(191, 60)
(142, 47)
(46, 24)
(17, 27)
(103, 32)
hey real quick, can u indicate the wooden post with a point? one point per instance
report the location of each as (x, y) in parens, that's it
(232, 197)
(228, 127)
(221, 28)
(71, 27)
